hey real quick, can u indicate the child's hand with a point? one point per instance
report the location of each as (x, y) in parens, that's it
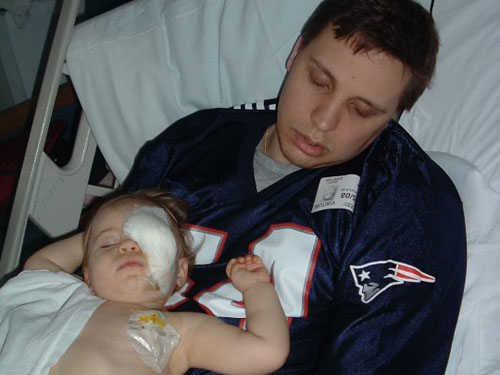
(245, 272)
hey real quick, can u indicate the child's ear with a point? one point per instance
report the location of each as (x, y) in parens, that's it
(182, 272)
(86, 276)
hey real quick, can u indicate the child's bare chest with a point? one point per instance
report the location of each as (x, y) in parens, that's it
(103, 346)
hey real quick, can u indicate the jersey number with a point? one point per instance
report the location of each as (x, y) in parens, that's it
(288, 251)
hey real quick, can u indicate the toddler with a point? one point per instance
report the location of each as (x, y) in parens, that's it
(137, 253)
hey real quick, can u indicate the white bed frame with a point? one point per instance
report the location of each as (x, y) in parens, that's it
(49, 195)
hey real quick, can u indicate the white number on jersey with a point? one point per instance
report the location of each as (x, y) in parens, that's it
(288, 251)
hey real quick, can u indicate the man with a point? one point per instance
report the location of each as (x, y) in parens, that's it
(362, 233)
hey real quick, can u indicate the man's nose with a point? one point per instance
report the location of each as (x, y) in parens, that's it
(129, 246)
(326, 114)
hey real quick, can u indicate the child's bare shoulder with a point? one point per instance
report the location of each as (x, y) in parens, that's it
(186, 321)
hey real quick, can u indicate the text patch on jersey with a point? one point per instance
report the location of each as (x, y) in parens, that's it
(336, 192)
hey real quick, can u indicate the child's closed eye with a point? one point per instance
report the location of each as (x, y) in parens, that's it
(108, 242)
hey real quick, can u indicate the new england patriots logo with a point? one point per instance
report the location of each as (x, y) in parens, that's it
(375, 277)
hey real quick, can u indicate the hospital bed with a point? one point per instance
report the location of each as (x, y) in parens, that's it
(148, 63)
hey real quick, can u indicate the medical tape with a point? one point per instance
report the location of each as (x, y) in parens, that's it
(150, 227)
(152, 338)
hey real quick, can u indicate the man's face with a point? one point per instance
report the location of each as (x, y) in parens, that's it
(334, 103)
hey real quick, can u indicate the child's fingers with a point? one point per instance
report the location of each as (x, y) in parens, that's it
(252, 259)
(248, 262)
(247, 259)
(253, 262)
(236, 263)
(229, 267)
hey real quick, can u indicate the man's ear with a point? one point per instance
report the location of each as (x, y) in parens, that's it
(293, 54)
(182, 272)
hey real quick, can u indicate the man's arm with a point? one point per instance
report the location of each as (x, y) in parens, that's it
(400, 283)
(63, 255)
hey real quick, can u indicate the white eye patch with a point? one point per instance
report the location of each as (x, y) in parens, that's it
(150, 227)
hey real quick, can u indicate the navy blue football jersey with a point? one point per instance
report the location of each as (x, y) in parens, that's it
(367, 257)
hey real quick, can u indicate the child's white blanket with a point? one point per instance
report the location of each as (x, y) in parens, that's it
(41, 314)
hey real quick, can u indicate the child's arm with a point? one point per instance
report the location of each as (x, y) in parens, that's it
(264, 346)
(63, 255)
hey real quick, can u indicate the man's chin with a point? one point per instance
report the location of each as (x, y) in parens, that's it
(305, 162)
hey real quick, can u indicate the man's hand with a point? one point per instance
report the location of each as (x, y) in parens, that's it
(246, 272)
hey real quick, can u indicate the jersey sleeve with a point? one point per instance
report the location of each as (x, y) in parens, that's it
(157, 156)
(194, 140)
(401, 276)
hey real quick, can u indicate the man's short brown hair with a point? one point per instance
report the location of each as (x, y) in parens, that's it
(401, 28)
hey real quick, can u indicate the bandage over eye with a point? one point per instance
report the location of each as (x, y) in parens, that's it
(150, 227)
(152, 338)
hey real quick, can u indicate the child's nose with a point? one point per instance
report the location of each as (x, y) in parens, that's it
(129, 246)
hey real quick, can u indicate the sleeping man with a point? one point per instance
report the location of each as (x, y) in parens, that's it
(137, 253)
(362, 232)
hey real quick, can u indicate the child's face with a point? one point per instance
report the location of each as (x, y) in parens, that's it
(117, 268)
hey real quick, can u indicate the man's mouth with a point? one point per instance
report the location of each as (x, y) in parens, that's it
(307, 146)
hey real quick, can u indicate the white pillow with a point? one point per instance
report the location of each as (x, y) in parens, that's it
(460, 114)
(481, 203)
(476, 345)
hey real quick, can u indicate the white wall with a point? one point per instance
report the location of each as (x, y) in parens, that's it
(21, 50)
